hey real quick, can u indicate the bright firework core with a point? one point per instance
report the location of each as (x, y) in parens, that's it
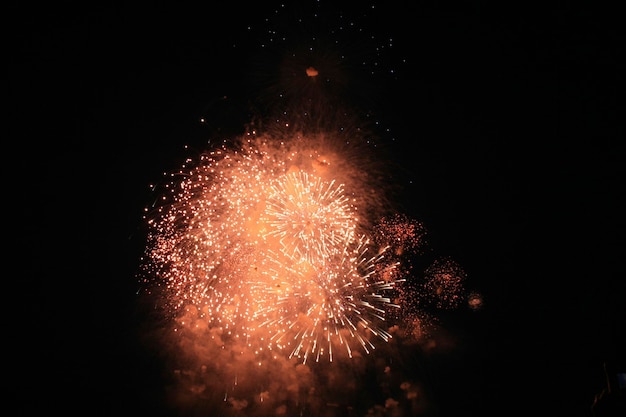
(266, 244)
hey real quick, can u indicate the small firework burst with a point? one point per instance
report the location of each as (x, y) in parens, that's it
(444, 283)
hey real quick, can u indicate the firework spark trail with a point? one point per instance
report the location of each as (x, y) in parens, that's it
(265, 244)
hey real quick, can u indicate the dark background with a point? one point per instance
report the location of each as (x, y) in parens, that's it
(509, 120)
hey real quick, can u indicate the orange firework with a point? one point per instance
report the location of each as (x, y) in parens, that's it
(264, 242)
(445, 283)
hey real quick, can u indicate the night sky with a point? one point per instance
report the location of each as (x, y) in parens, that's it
(506, 131)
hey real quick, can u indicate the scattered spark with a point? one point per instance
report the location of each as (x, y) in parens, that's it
(445, 283)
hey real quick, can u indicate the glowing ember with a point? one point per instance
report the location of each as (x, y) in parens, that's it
(311, 72)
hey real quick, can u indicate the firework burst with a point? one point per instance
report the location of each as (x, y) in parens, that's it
(310, 218)
(265, 242)
(279, 250)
